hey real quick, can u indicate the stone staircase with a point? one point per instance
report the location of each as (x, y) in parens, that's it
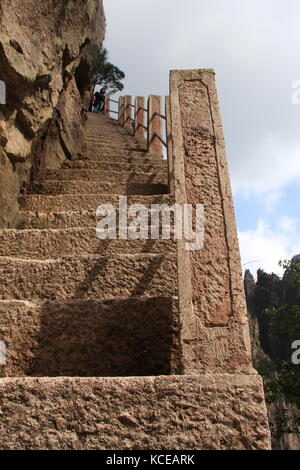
(77, 305)
(130, 344)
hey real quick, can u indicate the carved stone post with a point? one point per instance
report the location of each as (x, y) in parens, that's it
(107, 105)
(215, 334)
(128, 112)
(121, 109)
(155, 146)
(139, 116)
(169, 145)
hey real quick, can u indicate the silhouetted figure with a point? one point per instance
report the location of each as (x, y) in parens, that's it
(99, 100)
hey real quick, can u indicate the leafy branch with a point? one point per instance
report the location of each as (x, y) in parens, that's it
(103, 72)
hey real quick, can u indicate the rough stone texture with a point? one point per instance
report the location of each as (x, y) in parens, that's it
(121, 115)
(40, 203)
(128, 112)
(42, 63)
(169, 145)
(63, 220)
(90, 338)
(108, 185)
(111, 176)
(215, 332)
(200, 412)
(77, 241)
(9, 187)
(88, 277)
(135, 165)
(128, 156)
(155, 146)
(139, 117)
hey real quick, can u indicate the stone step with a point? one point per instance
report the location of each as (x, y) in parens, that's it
(63, 220)
(112, 176)
(54, 187)
(106, 127)
(88, 338)
(109, 150)
(105, 131)
(109, 127)
(109, 130)
(89, 202)
(136, 164)
(121, 157)
(180, 412)
(114, 146)
(113, 139)
(103, 277)
(99, 119)
(47, 243)
(56, 220)
(113, 142)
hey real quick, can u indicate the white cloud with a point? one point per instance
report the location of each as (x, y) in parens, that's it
(271, 200)
(288, 224)
(264, 246)
(270, 166)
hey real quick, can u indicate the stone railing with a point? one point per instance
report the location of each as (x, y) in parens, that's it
(147, 123)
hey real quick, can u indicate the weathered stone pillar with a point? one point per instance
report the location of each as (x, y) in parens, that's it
(139, 115)
(107, 105)
(155, 146)
(127, 112)
(215, 335)
(169, 145)
(121, 110)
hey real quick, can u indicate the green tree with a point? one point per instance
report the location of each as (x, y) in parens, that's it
(285, 320)
(283, 385)
(104, 73)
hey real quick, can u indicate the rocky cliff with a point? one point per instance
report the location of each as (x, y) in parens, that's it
(43, 64)
(269, 352)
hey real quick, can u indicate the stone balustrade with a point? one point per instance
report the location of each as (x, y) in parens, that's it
(147, 123)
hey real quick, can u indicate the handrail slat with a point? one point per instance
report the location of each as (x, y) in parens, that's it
(159, 137)
(160, 115)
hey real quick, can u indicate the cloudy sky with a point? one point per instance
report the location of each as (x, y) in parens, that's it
(254, 47)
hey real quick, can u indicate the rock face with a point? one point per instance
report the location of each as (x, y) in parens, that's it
(269, 291)
(269, 352)
(43, 64)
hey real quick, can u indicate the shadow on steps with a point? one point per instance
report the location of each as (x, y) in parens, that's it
(87, 338)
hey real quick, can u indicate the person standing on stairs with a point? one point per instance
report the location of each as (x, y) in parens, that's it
(99, 100)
